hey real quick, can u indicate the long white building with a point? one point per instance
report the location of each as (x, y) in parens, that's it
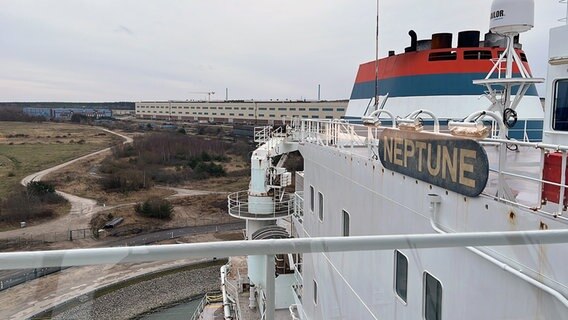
(240, 111)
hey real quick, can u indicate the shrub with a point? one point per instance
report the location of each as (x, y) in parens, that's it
(204, 170)
(39, 188)
(125, 181)
(155, 208)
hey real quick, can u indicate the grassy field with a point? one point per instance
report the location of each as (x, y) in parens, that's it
(26, 148)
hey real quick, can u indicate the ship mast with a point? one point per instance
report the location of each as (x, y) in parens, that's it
(377, 59)
(509, 19)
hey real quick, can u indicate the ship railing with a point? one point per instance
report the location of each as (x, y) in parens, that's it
(295, 312)
(204, 301)
(261, 134)
(238, 206)
(333, 133)
(535, 182)
(565, 19)
(233, 292)
(269, 248)
(299, 205)
(298, 273)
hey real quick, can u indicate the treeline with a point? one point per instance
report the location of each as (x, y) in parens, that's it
(165, 158)
(16, 114)
(31, 202)
(110, 105)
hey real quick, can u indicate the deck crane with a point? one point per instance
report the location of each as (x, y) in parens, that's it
(208, 93)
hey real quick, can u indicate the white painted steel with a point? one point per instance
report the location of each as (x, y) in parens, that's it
(445, 107)
(226, 303)
(511, 16)
(435, 202)
(97, 256)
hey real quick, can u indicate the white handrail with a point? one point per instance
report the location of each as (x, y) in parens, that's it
(97, 256)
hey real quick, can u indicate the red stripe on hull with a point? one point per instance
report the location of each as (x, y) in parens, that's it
(416, 63)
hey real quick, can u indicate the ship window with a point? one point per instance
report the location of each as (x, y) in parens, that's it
(477, 55)
(441, 56)
(523, 57)
(315, 292)
(320, 206)
(432, 298)
(560, 109)
(345, 223)
(400, 275)
(312, 198)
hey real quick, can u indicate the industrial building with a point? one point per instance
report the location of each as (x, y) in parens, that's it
(66, 113)
(240, 111)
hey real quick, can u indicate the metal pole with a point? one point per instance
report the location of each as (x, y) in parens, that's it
(270, 305)
(377, 59)
(94, 256)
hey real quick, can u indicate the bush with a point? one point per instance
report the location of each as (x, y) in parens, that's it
(125, 181)
(155, 208)
(39, 188)
(22, 206)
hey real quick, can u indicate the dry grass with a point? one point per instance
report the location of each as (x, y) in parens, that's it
(188, 211)
(30, 147)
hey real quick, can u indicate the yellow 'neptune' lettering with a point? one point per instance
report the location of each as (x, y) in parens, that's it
(388, 148)
(397, 151)
(408, 151)
(470, 154)
(436, 169)
(420, 146)
(450, 164)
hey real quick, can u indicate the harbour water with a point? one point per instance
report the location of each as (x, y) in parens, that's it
(178, 312)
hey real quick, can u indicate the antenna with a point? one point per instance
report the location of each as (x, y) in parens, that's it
(565, 19)
(377, 59)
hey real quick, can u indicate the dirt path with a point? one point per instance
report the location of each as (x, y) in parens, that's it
(180, 192)
(81, 208)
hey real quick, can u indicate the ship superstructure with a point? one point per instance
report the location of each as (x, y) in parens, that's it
(393, 177)
(436, 75)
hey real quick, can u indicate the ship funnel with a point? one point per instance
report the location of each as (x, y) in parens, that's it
(511, 16)
(468, 39)
(413, 40)
(441, 40)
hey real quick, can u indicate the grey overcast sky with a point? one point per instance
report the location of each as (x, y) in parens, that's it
(131, 50)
